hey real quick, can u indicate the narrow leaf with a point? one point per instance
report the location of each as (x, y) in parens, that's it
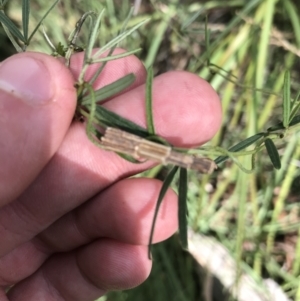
(125, 23)
(25, 17)
(12, 39)
(149, 109)
(295, 120)
(182, 207)
(295, 100)
(189, 21)
(115, 57)
(97, 73)
(295, 105)
(273, 153)
(166, 184)
(286, 99)
(118, 39)
(111, 89)
(109, 119)
(207, 39)
(11, 26)
(240, 146)
(93, 35)
(41, 21)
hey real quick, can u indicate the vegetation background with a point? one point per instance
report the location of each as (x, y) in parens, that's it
(241, 225)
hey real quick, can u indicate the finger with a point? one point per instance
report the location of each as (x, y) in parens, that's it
(19, 221)
(125, 210)
(86, 274)
(79, 170)
(37, 101)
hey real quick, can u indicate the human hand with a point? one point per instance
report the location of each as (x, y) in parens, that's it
(72, 226)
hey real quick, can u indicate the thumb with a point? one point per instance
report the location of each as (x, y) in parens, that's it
(37, 103)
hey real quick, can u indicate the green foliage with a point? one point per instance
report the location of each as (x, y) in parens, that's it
(167, 182)
(182, 207)
(260, 106)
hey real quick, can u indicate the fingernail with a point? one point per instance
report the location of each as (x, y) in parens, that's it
(27, 79)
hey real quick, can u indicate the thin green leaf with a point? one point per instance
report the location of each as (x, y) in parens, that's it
(115, 57)
(286, 99)
(279, 126)
(97, 73)
(189, 21)
(25, 17)
(12, 39)
(240, 146)
(118, 39)
(149, 109)
(295, 120)
(166, 184)
(207, 39)
(93, 35)
(273, 153)
(89, 127)
(295, 106)
(48, 41)
(11, 26)
(125, 23)
(41, 21)
(293, 15)
(107, 118)
(111, 89)
(182, 207)
(295, 100)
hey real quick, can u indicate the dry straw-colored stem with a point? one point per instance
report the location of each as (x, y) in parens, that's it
(122, 142)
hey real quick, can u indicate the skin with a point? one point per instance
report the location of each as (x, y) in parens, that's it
(72, 225)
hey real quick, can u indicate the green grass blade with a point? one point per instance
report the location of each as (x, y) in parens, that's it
(107, 118)
(295, 105)
(100, 69)
(126, 21)
(90, 130)
(240, 146)
(97, 73)
(286, 99)
(295, 120)
(182, 207)
(93, 35)
(166, 184)
(279, 126)
(111, 89)
(159, 37)
(118, 39)
(247, 8)
(273, 153)
(11, 26)
(294, 18)
(25, 17)
(207, 40)
(149, 110)
(12, 39)
(41, 21)
(189, 21)
(115, 57)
